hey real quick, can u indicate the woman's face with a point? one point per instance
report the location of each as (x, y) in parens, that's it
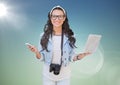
(57, 18)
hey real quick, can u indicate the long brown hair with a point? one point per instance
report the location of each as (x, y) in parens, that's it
(48, 30)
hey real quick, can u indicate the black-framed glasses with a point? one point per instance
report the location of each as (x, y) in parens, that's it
(60, 17)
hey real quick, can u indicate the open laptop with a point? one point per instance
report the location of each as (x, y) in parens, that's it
(92, 43)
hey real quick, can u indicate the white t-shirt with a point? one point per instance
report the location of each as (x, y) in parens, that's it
(65, 70)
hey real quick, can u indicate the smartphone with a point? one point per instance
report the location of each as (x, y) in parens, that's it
(28, 44)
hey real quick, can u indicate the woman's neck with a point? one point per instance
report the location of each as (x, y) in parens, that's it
(57, 30)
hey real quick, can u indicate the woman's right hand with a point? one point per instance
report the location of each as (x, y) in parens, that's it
(32, 48)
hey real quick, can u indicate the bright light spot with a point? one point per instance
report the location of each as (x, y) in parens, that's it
(3, 10)
(9, 18)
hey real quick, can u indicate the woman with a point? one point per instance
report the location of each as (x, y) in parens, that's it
(56, 48)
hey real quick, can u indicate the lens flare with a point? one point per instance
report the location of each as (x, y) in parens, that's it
(3, 10)
(88, 66)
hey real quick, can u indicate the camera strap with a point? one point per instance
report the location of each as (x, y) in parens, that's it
(62, 37)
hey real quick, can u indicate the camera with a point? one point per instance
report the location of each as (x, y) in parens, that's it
(55, 68)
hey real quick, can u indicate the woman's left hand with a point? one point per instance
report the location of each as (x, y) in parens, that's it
(84, 54)
(81, 55)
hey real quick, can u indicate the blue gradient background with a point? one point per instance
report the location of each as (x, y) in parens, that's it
(25, 22)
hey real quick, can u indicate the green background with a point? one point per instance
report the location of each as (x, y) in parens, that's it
(24, 23)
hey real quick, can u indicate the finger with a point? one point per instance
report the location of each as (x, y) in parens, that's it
(87, 53)
(32, 49)
(29, 47)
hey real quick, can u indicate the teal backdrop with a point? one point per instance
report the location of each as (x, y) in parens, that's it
(24, 22)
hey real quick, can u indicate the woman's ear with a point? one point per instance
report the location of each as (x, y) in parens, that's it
(64, 19)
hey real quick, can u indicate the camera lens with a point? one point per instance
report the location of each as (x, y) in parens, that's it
(55, 68)
(56, 72)
(52, 67)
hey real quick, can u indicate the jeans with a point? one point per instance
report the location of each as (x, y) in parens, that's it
(47, 81)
